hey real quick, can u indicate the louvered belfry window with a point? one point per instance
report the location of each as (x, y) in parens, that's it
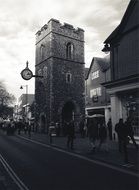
(69, 50)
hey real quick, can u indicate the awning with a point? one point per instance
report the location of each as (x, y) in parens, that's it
(95, 115)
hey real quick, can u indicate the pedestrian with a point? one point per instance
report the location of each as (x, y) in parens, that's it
(8, 127)
(70, 134)
(25, 128)
(64, 128)
(19, 124)
(92, 133)
(109, 125)
(102, 131)
(121, 131)
(130, 131)
(12, 127)
(29, 130)
(82, 128)
(51, 130)
(57, 126)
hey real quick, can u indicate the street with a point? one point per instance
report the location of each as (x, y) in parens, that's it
(41, 167)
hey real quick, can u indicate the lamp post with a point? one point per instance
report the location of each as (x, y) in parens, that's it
(106, 48)
(27, 74)
(21, 87)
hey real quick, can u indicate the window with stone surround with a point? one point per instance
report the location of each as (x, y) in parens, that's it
(69, 51)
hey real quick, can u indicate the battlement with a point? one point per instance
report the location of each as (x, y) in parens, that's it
(65, 29)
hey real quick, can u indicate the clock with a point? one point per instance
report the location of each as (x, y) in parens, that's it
(26, 74)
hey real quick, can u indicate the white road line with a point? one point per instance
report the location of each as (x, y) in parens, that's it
(12, 174)
(84, 158)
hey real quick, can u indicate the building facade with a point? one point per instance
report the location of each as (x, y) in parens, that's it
(60, 94)
(23, 107)
(123, 44)
(97, 100)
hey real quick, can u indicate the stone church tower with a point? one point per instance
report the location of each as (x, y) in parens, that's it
(60, 94)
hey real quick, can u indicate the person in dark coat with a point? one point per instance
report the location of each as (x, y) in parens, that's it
(51, 131)
(57, 126)
(70, 134)
(102, 131)
(81, 127)
(19, 126)
(130, 131)
(64, 128)
(25, 127)
(121, 131)
(92, 133)
(109, 125)
(29, 130)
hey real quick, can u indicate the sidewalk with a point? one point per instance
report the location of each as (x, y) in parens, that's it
(83, 147)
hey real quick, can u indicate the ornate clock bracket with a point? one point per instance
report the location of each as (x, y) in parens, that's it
(27, 74)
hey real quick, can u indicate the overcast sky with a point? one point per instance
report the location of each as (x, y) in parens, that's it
(21, 19)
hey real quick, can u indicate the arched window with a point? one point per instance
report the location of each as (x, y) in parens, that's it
(42, 47)
(68, 77)
(69, 50)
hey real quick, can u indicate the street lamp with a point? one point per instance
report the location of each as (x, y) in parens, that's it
(21, 87)
(106, 48)
(27, 74)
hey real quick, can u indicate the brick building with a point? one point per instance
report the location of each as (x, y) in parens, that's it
(97, 100)
(60, 94)
(123, 88)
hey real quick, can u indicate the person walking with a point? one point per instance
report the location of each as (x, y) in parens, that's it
(25, 127)
(102, 131)
(92, 133)
(121, 131)
(82, 127)
(130, 131)
(57, 126)
(29, 130)
(70, 134)
(51, 130)
(109, 126)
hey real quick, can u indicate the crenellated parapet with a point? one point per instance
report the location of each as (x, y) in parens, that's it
(54, 26)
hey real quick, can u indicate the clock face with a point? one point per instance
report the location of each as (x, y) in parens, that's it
(26, 74)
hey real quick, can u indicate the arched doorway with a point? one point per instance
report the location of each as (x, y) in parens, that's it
(68, 111)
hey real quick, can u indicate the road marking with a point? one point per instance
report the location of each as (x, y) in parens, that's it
(12, 174)
(83, 157)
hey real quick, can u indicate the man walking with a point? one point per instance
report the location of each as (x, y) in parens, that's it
(92, 133)
(121, 130)
(109, 125)
(130, 131)
(70, 134)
